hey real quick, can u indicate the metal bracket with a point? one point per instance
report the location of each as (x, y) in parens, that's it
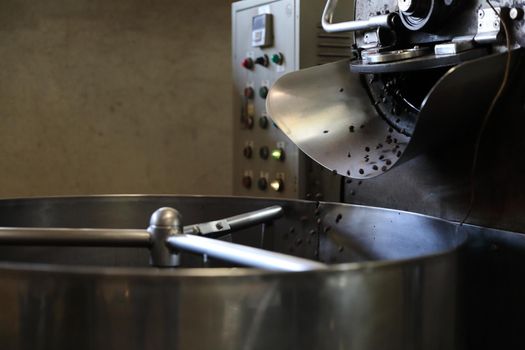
(489, 26)
(221, 227)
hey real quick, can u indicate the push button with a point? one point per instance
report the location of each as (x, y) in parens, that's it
(262, 183)
(263, 122)
(247, 182)
(248, 92)
(247, 63)
(247, 152)
(263, 92)
(264, 152)
(247, 122)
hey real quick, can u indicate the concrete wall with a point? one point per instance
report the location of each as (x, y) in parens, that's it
(115, 96)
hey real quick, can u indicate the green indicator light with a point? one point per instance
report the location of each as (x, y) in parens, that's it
(278, 154)
(277, 58)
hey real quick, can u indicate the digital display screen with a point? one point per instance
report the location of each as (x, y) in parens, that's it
(258, 22)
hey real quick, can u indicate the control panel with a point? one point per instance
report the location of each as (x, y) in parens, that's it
(269, 39)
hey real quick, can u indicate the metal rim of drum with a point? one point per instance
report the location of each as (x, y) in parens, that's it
(212, 272)
(395, 55)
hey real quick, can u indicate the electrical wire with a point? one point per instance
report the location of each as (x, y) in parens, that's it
(486, 118)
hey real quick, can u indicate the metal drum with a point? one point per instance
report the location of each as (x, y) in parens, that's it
(392, 282)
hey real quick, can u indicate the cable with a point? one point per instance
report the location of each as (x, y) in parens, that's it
(487, 116)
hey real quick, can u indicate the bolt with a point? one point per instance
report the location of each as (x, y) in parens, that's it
(516, 13)
(219, 226)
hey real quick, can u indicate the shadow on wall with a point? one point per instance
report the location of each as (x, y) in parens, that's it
(123, 96)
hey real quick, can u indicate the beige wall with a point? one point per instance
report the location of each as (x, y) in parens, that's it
(115, 96)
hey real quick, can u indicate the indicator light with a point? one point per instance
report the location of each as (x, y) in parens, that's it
(247, 63)
(278, 154)
(277, 185)
(278, 58)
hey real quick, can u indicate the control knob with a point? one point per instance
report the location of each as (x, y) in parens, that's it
(262, 60)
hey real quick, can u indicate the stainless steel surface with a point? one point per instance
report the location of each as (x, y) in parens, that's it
(406, 290)
(328, 113)
(125, 237)
(243, 255)
(429, 61)
(386, 21)
(164, 223)
(298, 43)
(453, 48)
(371, 57)
(74, 236)
(165, 232)
(488, 25)
(237, 222)
(437, 182)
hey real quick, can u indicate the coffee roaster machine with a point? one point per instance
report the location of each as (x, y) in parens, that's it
(425, 249)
